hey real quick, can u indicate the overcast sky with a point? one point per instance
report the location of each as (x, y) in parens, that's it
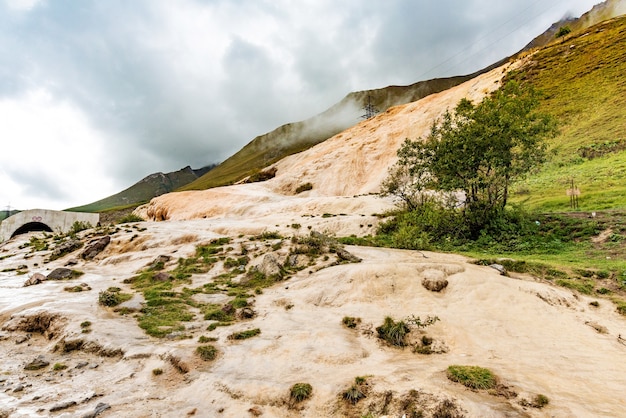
(95, 95)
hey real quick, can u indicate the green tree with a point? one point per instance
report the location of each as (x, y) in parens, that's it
(479, 150)
(563, 31)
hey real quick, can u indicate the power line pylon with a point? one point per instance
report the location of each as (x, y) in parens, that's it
(370, 110)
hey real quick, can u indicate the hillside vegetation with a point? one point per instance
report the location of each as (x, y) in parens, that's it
(582, 77)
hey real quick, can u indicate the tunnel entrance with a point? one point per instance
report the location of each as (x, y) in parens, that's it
(31, 227)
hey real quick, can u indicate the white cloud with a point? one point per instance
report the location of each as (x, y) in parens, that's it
(51, 157)
(22, 5)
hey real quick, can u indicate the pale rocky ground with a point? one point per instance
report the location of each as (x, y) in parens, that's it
(537, 338)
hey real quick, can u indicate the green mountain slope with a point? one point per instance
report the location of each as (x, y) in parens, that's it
(584, 81)
(141, 192)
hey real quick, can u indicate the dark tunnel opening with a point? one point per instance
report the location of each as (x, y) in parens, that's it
(31, 227)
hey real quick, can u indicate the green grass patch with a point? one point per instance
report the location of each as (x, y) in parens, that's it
(582, 286)
(473, 377)
(244, 335)
(207, 352)
(583, 90)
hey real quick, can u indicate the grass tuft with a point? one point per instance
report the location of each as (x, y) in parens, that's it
(300, 392)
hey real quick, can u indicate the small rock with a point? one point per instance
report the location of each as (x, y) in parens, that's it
(81, 364)
(499, 267)
(133, 305)
(71, 262)
(159, 262)
(39, 363)
(255, 411)
(60, 273)
(93, 366)
(18, 388)
(35, 279)
(63, 405)
(246, 313)
(22, 338)
(100, 408)
(292, 260)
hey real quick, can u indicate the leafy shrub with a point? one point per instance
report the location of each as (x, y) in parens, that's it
(207, 352)
(473, 377)
(112, 297)
(78, 226)
(300, 391)
(563, 30)
(107, 298)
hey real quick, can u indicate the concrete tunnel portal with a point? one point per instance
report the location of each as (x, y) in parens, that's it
(44, 220)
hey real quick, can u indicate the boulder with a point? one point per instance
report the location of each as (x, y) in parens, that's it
(66, 248)
(347, 256)
(434, 285)
(95, 247)
(39, 363)
(35, 279)
(270, 266)
(499, 267)
(434, 280)
(61, 273)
